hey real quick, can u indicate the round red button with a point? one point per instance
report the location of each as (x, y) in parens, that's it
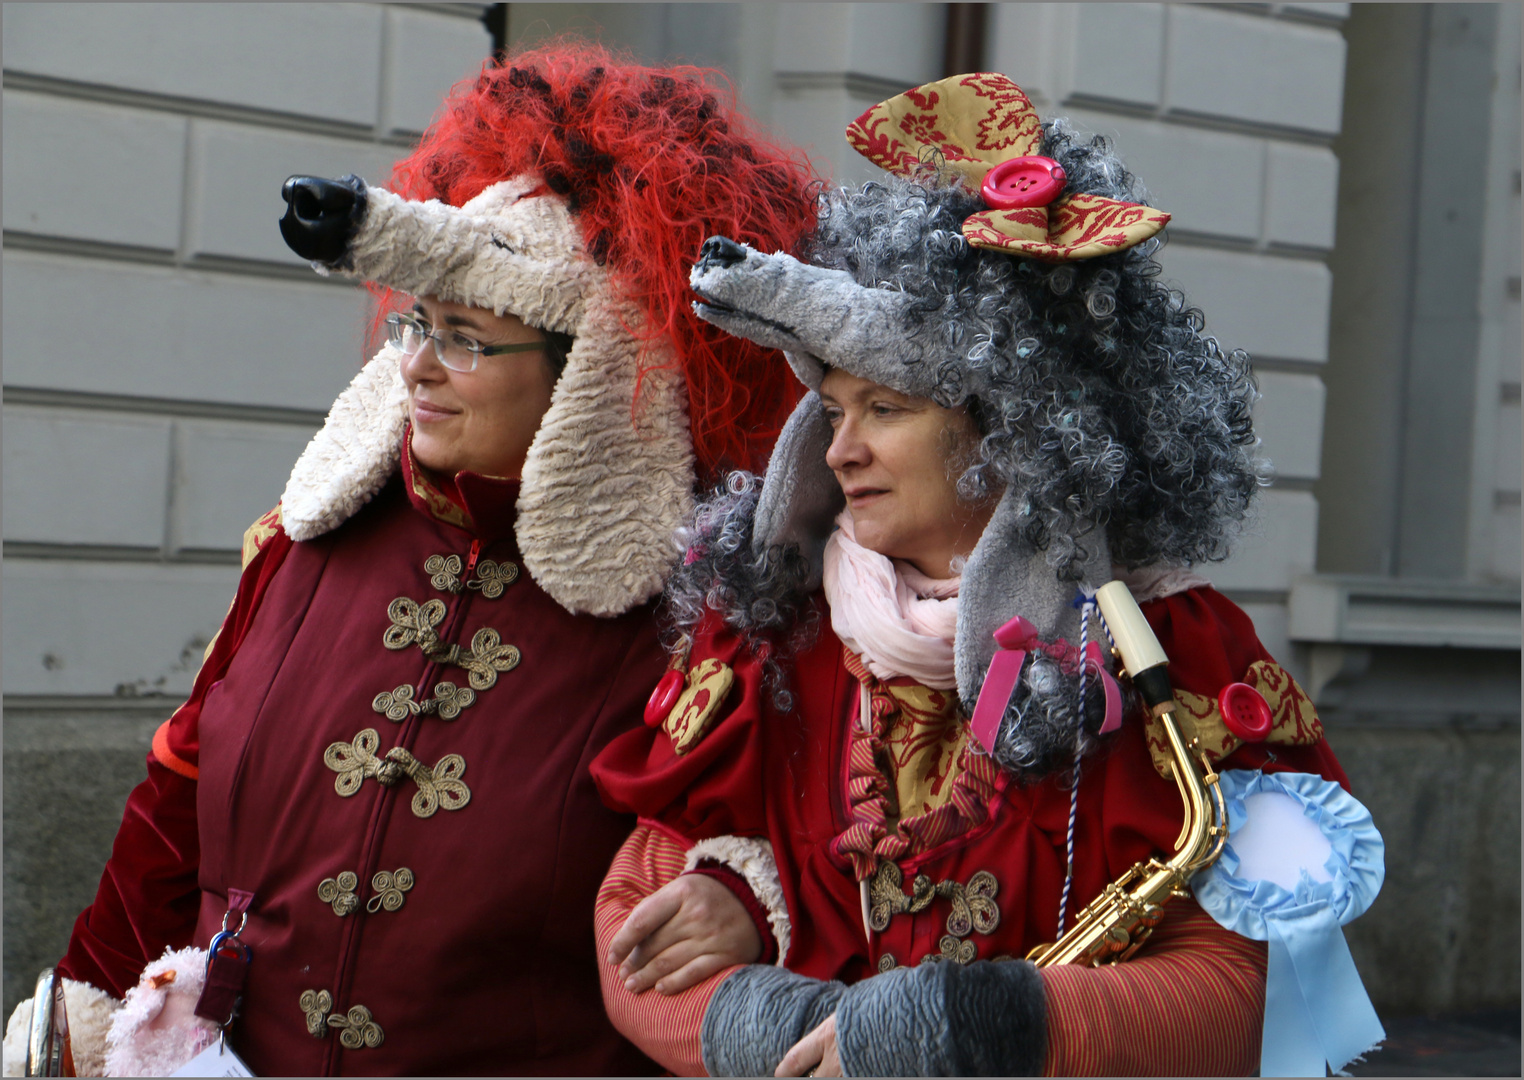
(1023, 181)
(1245, 712)
(667, 691)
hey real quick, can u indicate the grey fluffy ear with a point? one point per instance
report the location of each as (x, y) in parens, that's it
(1006, 577)
(800, 497)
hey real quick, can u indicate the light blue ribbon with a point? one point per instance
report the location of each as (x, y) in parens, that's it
(1316, 1007)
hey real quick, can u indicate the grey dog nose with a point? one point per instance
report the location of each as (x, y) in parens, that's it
(322, 216)
(720, 252)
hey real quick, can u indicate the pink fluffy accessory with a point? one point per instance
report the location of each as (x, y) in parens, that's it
(900, 621)
(156, 1030)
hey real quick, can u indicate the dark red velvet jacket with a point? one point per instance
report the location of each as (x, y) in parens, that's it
(789, 778)
(488, 965)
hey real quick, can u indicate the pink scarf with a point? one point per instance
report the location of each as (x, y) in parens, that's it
(900, 621)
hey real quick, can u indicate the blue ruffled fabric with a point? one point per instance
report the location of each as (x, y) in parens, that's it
(1316, 1007)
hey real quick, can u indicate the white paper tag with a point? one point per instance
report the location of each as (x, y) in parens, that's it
(215, 1060)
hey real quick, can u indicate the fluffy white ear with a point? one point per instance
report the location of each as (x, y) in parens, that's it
(354, 454)
(608, 480)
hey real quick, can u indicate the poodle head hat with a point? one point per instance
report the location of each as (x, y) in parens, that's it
(1005, 266)
(571, 189)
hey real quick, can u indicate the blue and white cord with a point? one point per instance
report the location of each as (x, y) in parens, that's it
(1087, 602)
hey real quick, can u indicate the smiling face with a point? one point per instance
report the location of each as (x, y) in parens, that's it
(482, 420)
(897, 459)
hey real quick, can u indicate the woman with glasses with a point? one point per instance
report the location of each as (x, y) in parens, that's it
(376, 805)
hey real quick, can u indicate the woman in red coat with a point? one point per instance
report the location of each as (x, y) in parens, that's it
(1006, 411)
(381, 779)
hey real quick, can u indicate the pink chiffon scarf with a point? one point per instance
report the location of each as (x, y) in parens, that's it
(900, 621)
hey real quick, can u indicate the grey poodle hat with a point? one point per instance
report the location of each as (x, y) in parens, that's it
(1112, 428)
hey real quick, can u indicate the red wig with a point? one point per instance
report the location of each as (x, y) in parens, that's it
(652, 161)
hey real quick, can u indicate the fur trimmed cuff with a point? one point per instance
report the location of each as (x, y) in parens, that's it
(90, 1017)
(945, 1019)
(752, 858)
(156, 1030)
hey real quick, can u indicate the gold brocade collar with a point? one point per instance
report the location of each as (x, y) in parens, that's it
(484, 506)
(884, 768)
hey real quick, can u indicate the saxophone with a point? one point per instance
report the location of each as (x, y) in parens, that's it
(1114, 925)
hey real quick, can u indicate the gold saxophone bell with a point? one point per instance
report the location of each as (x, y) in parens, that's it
(1114, 925)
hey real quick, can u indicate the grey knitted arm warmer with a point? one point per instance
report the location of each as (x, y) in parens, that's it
(985, 1019)
(757, 1014)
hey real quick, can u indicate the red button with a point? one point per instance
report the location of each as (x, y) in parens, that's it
(1023, 181)
(1245, 712)
(667, 691)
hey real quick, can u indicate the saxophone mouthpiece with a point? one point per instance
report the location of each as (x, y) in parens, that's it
(1143, 657)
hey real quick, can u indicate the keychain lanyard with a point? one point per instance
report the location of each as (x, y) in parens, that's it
(227, 967)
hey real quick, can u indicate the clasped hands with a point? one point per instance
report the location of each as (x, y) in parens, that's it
(688, 930)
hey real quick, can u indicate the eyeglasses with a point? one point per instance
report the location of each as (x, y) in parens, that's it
(454, 350)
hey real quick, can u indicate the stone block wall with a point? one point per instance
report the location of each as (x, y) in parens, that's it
(166, 359)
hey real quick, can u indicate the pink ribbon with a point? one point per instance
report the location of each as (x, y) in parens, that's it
(1016, 639)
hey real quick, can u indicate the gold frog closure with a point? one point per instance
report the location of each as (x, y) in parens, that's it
(413, 622)
(444, 571)
(357, 1031)
(973, 907)
(340, 892)
(439, 787)
(317, 1004)
(448, 700)
(388, 887)
(493, 577)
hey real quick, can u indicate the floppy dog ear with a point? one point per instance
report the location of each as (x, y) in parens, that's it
(800, 496)
(602, 496)
(353, 455)
(1005, 577)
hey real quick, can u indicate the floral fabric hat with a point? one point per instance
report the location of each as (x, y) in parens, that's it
(983, 128)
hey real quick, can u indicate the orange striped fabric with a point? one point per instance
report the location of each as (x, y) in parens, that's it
(666, 1029)
(1191, 1003)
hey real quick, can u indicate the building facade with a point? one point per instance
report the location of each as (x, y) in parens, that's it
(1344, 181)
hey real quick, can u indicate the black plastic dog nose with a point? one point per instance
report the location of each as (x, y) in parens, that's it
(322, 216)
(720, 251)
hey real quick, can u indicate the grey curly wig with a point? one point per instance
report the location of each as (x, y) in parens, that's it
(1104, 403)
(1099, 400)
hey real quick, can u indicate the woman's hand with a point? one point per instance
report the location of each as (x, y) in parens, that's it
(813, 1055)
(683, 933)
